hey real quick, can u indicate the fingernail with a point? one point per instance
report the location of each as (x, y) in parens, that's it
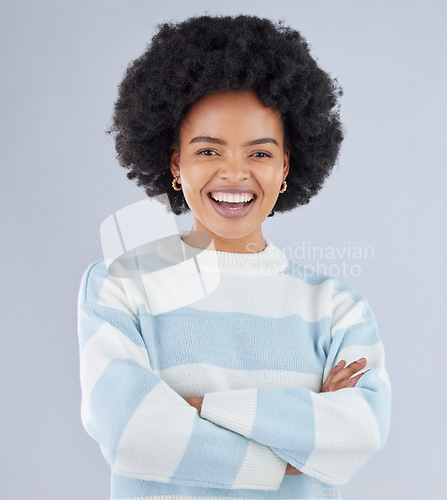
(339, 363)
(361, 360)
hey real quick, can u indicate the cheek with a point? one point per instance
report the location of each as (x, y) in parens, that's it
(196, 177)
(193, 180)
(271, 183)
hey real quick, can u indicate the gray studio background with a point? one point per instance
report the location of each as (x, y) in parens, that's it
(61, 63)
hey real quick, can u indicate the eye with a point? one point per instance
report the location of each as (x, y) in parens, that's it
(207, 152)
(262, 154)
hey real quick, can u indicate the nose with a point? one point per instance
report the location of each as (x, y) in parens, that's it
(234, 170)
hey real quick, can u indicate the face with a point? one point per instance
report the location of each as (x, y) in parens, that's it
(231, 162)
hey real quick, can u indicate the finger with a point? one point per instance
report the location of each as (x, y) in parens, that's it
(347, 372)
(339, 366)
(354, 380)
(350, 382)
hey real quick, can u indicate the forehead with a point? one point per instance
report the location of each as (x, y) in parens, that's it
(233, 113)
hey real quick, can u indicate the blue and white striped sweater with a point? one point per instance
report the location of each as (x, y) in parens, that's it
(256, 335)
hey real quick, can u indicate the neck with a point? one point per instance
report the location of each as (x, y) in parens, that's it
(249, 244)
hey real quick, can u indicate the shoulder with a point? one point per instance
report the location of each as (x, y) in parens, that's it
(102, 285)
(91, 281)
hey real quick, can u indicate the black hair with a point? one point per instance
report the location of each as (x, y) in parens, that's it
(203, 55)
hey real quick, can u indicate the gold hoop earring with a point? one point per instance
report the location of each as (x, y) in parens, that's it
(283, 186)
(174, 184)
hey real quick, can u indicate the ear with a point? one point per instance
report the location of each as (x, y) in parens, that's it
(286, 163)
(174, 153)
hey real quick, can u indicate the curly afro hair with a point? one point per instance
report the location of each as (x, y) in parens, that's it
(203, 55)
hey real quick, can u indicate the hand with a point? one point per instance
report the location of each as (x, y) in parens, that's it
(291, 471)
(195, 402)
(340, 377)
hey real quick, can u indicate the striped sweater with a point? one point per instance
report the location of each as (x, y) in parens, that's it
(256, 335)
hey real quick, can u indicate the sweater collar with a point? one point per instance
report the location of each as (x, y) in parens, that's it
(271, 260)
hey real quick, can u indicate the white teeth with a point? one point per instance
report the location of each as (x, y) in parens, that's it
(232, 197)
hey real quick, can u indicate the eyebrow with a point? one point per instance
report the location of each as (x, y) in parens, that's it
(205, 138)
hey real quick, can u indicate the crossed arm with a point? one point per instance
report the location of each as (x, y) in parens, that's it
(240, 439)
(340, 377)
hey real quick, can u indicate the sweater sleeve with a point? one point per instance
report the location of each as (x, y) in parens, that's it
(330, 435)
(145, 429)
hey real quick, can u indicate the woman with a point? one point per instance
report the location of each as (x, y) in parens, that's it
(238, 384)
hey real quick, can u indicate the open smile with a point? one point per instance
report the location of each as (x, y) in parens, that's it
(232, 209)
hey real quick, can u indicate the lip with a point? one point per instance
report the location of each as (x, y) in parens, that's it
(232, 213)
